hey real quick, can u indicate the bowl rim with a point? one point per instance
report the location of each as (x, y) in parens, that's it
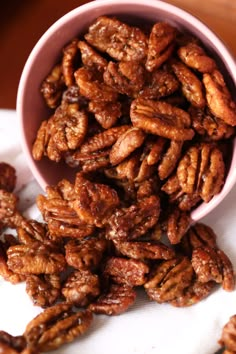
(194, 21)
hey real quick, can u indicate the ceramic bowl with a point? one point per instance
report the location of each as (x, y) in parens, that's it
(31, 108)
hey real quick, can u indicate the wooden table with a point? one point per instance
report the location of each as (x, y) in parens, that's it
(23, 22)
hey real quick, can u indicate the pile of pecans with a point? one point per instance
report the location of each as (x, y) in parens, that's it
(144, 117)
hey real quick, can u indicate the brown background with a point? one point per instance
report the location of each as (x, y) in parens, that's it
(22, 22)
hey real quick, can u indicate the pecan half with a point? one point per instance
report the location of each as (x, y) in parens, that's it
(53, 86)
(43, 289)
(169, 279)
(228, 335)
(161, 118)
(120, 41)
(55, 326)
(90, 58)
(126, 271)
(70, 52)
(7, 177)
(115, 301)
(81, 288)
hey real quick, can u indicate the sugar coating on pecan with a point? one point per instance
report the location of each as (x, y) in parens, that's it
(55, 326)
(126, 271)
(43, 289)
(115, 301)
(119, 40)
(7, 177)
(70, 52)
(194, 56)
(228, 334)
(168, 279)
(81, 288)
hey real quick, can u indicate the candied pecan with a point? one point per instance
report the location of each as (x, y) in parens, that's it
(147, 187)
(193, 294)
(72, 95)
(191, 86)
(213, 264)
(194, 56)
(103, 140)
(85, 254)
(43, 289)
(126, 271)
(160, 83)
(134, 221)
(169, 279)
(35, 258)
(89, 162)
(178, 223)
(169, 159)
(228, 336)
(55, 326)
(126, 77)
(32, 230)
(145, 250)
(92, 88)
(209, 126)
(115, 301)
(93, 202)
(106, 113)
(161, 118)
(53, 86)
(5, 272)
(202, 170)
(198, 235)
(12, 344)
(91, 58)
(81, 288)
(70, 52)
(219, 98)
(7, 177)
(160, 45)
(44, 144)
(9, 215)
(62, 220)
(68, 127)
(126, 144)
(120, 41)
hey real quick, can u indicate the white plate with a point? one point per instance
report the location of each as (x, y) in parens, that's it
(147, 327)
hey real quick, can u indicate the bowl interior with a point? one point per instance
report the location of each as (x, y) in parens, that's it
(31, 108)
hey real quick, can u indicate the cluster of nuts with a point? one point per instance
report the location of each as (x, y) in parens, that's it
(143, 117)
(91, 253)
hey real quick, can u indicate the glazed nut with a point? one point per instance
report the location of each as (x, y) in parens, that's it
(55, 326)
(115, 301)
(126, 271)
(7, 177)
(228, 334)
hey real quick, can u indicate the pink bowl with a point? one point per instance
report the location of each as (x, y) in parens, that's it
(31, 109)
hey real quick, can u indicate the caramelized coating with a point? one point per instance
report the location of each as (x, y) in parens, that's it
(177, 225)
(160, 45)
(12, 344)
(228, 335)
(128, 142)
(55, 326)
(170, 159)
(106, 113)
(90, 58)
(86, 254)
(144, 250)
(134, 221)
(202, 170)
(119, 40)
(31, 231)
(81, 288)
(7, 177)
(194, 56)
(126, 77)
(35, 258)
(209, 126)
(160, 118)
(70, 52)
(53, 86)
(169, 279)
(115, 301)
(191, 86)
(218, 97)
(131, 272)
(92, 88)
(43, 289)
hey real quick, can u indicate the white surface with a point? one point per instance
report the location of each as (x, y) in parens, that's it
(147, 327)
